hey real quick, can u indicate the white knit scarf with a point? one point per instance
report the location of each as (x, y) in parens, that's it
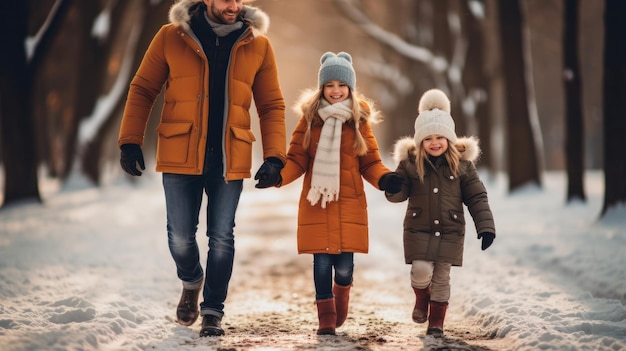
(326, 166)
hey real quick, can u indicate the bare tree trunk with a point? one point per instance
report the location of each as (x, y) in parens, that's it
(495, 86)
(16, 120)
(89, 151)
(523, 164)
(614, 104)
(574, 144)
(444, 46)
(442, 43)
(475, 82)
(151, 17)
(91, 66)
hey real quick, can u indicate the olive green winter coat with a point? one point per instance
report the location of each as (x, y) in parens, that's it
(434, 224)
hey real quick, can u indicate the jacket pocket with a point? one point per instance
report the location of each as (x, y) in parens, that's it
(173, 142)
(412, 221)
(241, 149)
(457, 217)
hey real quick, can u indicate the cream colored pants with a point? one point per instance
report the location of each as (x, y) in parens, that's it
(435, 274)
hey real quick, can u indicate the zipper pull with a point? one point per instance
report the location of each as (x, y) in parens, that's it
(217, 41)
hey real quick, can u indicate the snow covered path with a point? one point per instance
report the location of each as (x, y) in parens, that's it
(90, 270)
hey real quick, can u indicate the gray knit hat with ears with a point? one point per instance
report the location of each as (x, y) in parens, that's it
(336, 67)
(434, 117)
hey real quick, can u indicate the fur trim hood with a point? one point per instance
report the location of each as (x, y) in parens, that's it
(406, 149)
(180, 15)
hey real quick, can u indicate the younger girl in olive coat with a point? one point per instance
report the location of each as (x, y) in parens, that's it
(334, 147)
(440, 177)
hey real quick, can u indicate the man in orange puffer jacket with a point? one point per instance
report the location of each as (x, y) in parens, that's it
(212, 59)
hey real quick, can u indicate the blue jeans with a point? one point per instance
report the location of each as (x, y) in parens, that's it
(323, 272)
(183, 197)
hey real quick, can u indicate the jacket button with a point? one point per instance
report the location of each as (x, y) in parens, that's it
(435, 190)
(436, 221)
(437, 233)
(455, 216)
(414, 214)
(327, 249)
(451, 177)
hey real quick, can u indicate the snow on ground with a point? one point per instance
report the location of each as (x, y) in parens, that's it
(90, 270)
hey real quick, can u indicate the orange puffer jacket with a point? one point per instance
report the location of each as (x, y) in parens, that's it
(342, 226)
(176, 62)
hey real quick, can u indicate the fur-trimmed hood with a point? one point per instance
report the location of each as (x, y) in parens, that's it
(180, 15)
(406, 149)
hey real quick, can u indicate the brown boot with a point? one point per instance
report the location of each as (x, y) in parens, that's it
(420, 311)
(187, 310)
(327, 315)
(211, 326)
(342, 298)
(436, 317)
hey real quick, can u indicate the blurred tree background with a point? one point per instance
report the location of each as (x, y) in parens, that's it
(525, 76)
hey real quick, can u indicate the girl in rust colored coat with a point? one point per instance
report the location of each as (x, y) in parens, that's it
(440, 177)
(334, 147)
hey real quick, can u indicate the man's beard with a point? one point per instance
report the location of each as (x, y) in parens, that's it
(219, 16)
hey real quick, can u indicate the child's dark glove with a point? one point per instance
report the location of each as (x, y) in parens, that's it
(268, 174)
(131, 155)
(391, 182)
(487, 240)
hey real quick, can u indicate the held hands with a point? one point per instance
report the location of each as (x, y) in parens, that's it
(268, 174)
(391, 182)
(487, 240)
(130, 156)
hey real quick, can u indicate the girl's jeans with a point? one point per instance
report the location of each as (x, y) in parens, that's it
(183, 197)
(323, 272)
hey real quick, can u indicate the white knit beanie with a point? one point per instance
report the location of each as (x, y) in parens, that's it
(336, 67)
(434, 117)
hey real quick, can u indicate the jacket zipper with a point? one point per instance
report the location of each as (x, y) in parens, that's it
(226, 85)
(201, 98)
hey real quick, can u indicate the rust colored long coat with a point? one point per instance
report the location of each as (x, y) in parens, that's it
(176, 61)
(343, 225)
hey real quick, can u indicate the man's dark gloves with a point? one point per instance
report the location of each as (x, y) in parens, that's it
(487, 240)
(268, 174)
(131, 155)
(391, 182)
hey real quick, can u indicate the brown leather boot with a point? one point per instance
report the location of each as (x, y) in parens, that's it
(327, 315)
(342, 299)
(187, 310)
(211, 326)
(436, 317)
(420, 311)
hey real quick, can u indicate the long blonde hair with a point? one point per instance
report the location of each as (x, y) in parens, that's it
(452, 155)
(310, 101)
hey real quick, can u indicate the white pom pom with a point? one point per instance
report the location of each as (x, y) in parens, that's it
(434, 99)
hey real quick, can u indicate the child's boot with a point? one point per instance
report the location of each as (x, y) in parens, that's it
(342, 298)
(436, 317)
(327, 315)
(420, 311)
